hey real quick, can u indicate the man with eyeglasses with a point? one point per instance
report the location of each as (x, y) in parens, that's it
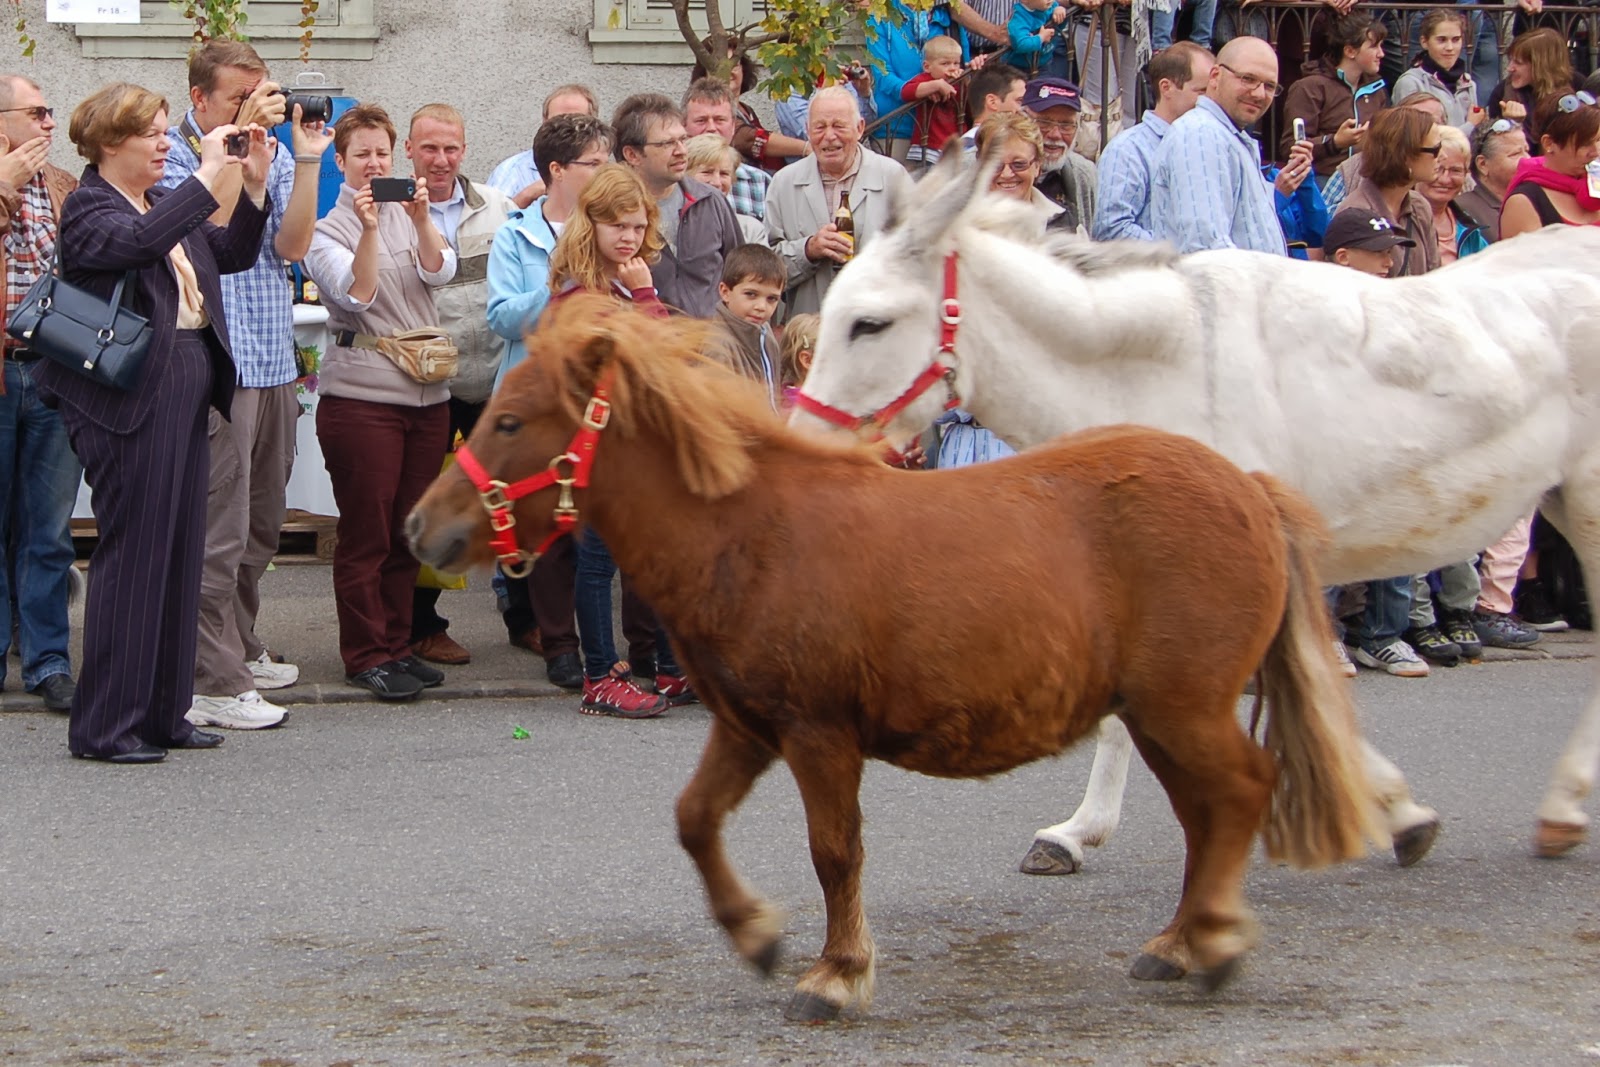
(1179, 75)
(697, 222)
(1207, 189)
(1065, 177)
(39, 474)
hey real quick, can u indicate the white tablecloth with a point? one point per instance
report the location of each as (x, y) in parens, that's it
(309, 489)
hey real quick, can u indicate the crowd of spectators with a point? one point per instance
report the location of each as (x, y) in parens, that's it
(685, 206)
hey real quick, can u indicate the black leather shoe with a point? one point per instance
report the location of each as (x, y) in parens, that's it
(57, 692)
(428, 675)
(142, 754)
(201, 739)
(565, 670)
(387, 681)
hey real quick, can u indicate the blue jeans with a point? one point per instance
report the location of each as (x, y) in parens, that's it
(596, 568)
(39, 478)
(1161, 23)
(1387, 614)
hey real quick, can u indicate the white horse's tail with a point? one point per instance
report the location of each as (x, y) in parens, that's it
(1323, 807)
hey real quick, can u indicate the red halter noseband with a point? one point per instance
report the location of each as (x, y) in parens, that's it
(941, 369)
(497, 496)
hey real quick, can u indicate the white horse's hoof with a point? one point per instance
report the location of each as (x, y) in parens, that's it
(1047, 857)
(1557, 838)
(1413, 843)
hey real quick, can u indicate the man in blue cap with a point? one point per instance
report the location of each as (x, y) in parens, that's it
(1064, 176)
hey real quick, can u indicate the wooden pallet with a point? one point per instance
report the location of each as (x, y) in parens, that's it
(304, 538)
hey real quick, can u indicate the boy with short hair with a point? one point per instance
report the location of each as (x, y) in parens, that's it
(938, 116)
(1360, 239)
(752, 283)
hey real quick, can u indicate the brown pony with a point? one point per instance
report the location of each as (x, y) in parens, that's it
(830, 609)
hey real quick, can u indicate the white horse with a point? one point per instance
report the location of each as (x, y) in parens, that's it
(1423, 416)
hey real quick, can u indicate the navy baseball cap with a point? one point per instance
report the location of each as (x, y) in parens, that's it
(1358, 228)
(1042, 94)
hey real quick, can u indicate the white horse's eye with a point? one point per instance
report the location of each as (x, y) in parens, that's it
(867, 327)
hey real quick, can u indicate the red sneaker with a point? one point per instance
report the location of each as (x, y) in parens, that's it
(616, 695)
(676, 689)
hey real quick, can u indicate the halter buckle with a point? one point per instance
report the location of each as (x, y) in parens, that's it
(596, 414)
(950, 311)
(494, 498)
(522, 567)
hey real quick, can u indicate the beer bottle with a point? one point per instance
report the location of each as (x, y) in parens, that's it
(845, 223)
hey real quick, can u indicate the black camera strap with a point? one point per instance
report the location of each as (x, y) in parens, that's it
(190, 134)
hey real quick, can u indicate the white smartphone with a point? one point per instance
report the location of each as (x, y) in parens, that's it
(1299, 130)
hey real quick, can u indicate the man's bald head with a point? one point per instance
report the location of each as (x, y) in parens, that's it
(1245, 80)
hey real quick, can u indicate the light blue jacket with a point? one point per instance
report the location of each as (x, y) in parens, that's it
(519, 279)
(896, 44)
(1027, 51)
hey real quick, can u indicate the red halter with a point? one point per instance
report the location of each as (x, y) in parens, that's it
(942, 369)
(497, 495)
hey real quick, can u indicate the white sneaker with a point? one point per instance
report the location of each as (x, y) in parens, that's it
(247, 711)
(1396, 657)
(1342, 654)
(270, 675)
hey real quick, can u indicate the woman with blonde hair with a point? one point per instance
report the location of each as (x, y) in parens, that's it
(607, 247)
(610, 241)
(1537, 65)
(1020, 148)
(1459, 234)
(715, 162)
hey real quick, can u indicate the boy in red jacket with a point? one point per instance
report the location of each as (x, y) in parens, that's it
(938, 117)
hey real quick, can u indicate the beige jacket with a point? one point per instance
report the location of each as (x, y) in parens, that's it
(463, 301)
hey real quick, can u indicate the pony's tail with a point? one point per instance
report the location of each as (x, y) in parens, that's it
(1323, 807)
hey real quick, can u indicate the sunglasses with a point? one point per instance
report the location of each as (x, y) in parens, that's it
(1503, 125)
(1432, 149)
(1573, 101)
(1018, 166)
(39, 113)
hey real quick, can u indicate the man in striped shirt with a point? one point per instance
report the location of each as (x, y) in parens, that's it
(1207, 189)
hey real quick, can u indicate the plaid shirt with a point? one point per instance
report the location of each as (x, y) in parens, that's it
(749, 195)
(258, 304)
(31, 241)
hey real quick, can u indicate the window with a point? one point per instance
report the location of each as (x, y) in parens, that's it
(345, 29)
(646, 31)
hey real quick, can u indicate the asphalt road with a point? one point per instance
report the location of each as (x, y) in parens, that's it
(374, 885)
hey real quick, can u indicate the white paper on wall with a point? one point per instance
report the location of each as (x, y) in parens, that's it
(92, 10)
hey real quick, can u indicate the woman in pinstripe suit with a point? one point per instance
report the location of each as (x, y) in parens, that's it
(144, 450)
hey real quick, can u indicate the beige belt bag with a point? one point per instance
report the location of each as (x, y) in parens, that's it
(426, 355)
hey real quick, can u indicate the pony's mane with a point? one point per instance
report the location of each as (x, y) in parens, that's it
(663, 382)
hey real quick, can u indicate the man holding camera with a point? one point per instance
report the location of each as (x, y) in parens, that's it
(251, 456)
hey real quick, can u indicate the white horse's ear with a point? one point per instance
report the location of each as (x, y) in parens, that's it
(942, 195)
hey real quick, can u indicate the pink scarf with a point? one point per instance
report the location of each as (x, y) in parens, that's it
(1533, 169)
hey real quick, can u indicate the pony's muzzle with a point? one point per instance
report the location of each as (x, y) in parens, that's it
(438, 548)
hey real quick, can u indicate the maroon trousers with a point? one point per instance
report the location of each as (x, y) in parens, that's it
(381, 458)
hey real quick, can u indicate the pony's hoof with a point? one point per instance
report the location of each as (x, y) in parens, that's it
(1047, 857)
(1557, 838)
(1413, 843)
(810, 1008)
(1220, 975)
(766, 960)
(1148, 968)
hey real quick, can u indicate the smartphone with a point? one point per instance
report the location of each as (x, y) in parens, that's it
(393, 190)
(237, 144)
(1299, 130)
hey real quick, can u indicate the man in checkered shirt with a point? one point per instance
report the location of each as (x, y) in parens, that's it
(251, 456)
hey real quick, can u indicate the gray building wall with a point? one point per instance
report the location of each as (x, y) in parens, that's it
(493, 59)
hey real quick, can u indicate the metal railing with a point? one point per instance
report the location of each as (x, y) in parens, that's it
(1295, 32)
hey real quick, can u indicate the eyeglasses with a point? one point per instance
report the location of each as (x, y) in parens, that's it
(1432, 149)
(587, 163)
(1573, 101)
(1253, 83)
(1058, 127)
(676, 142)
(1018, 166)
(1503, 126)
(39, 114)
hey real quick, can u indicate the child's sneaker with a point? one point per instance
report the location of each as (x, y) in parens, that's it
(677, 690)
(1395, 658)
(616, 695)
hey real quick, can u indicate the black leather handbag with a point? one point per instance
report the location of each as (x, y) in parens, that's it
(89, 335)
